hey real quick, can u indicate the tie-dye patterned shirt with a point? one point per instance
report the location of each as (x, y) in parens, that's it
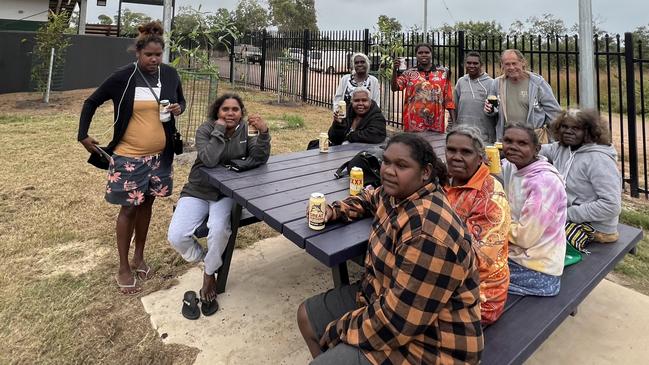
(482, 205)
(537, 196)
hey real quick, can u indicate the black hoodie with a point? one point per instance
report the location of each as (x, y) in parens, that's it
(371, 129)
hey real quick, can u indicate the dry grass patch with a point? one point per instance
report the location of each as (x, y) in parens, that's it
(58, 299)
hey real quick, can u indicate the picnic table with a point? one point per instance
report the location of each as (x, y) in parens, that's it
(278, 192)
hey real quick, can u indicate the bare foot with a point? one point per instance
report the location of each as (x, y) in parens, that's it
(209, 304)
(208, 291)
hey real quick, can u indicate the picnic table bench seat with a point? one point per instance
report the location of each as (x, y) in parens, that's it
(528, 321)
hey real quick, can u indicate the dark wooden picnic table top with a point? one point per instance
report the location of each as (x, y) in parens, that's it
(278, 193)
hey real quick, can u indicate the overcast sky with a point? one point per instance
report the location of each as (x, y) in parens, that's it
(616, 16)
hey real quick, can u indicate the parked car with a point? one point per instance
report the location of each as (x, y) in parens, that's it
(253, 54)
(332, 61)
(247, 53)
(295, 54)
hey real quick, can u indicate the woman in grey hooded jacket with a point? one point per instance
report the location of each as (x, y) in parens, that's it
(587, 161)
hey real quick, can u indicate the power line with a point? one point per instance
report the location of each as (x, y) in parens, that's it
(27, 17)
(449, 11)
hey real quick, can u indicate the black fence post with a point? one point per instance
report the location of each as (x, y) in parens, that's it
(232, 60)
(262, 76)
(305, 64)
(459, 70)
(629, 66)
(366, 42)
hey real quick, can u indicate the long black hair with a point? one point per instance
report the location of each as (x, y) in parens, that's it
(213, 112)
(422, 152)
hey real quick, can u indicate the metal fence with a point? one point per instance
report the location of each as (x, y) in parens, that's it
(200, 90)
(307, 65)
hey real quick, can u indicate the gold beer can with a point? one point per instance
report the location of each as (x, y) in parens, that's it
(317, 210)
(499, 146)
(342, 109)
(324, 142)
(494, 159)
(355, 181)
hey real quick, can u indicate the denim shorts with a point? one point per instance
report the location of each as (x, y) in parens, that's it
(130, 179)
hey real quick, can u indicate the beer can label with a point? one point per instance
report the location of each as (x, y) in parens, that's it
(317, 210)
(324, 142)
(355, 181)
(494, 159)
(342, 109)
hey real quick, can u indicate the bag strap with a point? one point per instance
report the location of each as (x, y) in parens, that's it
(157, 99)
(341, 170)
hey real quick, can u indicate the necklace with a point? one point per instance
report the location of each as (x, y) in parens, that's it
(159, 84)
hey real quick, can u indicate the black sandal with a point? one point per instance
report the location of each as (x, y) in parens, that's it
(208, 307)
(190, 305)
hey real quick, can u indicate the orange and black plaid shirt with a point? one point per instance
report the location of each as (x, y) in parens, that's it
(419, 299)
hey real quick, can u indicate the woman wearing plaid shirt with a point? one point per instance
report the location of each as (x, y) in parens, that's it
(418, 300)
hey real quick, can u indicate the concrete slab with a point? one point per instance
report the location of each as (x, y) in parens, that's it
(256, 323)
(610, 328)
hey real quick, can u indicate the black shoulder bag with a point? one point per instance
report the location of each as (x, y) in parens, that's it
(178, 139)
(369, 161)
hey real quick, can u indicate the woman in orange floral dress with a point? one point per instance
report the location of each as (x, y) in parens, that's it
(480, 201)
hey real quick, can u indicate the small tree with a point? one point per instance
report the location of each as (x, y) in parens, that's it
(200, 33)
(49, 36)
(130, 21)
(105, 19)
(387, 44)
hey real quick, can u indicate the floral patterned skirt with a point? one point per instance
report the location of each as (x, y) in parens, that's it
(130, 179)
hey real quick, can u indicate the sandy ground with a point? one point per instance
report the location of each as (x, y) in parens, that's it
(256, 323)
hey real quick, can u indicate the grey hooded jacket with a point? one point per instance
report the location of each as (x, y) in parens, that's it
(469, 96)
(543, 105)
(214, 148)
(593, 183)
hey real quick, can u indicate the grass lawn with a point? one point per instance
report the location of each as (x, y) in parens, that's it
(58, 299)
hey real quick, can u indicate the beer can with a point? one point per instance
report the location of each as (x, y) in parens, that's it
(324, 142)
(317, 210)
(494, 159)
(342, 109)
(499, 146)
(402, 64)
(355, 181)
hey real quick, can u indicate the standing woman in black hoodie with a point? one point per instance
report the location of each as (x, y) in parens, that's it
(140, 167)
(364, 122)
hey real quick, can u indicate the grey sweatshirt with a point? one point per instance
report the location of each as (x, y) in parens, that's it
(543, 105)
(469, 96)
(593, 183)
(214, 148)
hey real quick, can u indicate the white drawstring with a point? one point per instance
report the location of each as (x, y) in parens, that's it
(119, 106)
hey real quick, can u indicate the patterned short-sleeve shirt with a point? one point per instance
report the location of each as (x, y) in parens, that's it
(427, 96)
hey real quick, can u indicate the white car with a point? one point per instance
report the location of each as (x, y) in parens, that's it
(332, 61)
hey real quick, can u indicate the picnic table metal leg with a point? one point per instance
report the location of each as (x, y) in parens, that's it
(222, 274)
(340, 274)
(574, 312)
(634, 250)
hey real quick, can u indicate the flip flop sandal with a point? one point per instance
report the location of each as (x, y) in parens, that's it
(144, 271)
(209, 307)
(124, 288)
(190, 305)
